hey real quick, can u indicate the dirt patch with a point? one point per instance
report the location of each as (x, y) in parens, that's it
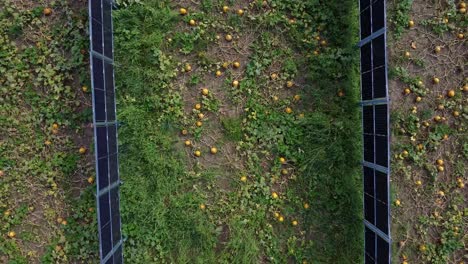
(439, 61)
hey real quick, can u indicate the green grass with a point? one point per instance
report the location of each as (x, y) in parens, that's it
(232, 128)
(161, 218)
(162, 193)
(158, 211)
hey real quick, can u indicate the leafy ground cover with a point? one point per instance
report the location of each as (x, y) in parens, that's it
(45, 165)
(429, 121)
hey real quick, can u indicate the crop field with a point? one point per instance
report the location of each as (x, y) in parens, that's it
(240, 131)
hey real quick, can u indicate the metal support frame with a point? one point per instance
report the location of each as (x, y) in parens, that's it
(372, 36)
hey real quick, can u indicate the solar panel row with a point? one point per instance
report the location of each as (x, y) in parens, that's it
(375, 118)
(105, 131)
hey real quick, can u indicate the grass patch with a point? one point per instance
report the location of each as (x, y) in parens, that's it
(165, 185)
(232, 128)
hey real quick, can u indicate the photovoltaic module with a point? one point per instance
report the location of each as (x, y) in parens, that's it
(376, 131)
(105, 131)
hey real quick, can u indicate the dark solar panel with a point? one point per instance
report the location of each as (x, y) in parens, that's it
(108, 48)
(381, 221)
(104, 209)
(99, 105)
(366, 57)
(109, 77)
(117, 236)
(380, 82)
(96, 36)
(378, 15)
(381, 120)
(113, 169)
(381, 188)
(366, 84)
(112, 135)
(381, 185)
(369, 241)
(381, 151)
(102, 173)
(118, 255)
(375, 131)
(369, 208)
(365, 23)
(115, 215)
(369, 260)
(378, 51)
(369, 181)
(110, 106)
(105, 130)
(369, 213)
(101, 139)
(364, 4)
(383, 251)
(106, 239)
(368, 119)
(107, 14)
(110, 92)
(98, 74)
(369, 148)
(110, 260)
(96, 9)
